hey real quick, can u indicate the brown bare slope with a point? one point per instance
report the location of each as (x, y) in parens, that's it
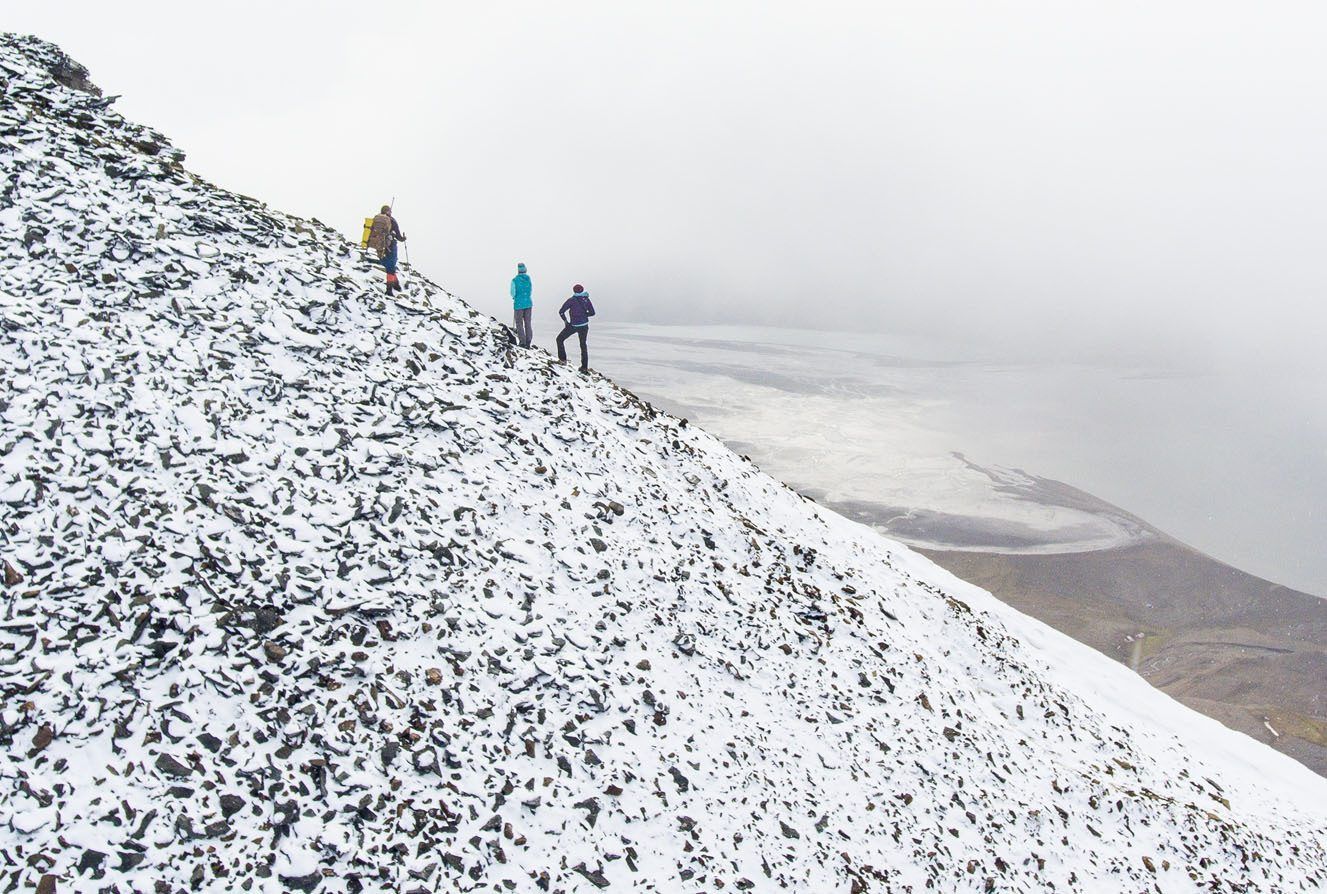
(1241, 649)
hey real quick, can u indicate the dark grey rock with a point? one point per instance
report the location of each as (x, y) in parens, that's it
(172, 767)
(595, 876)
(308, 882)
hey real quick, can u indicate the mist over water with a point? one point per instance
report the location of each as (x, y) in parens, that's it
(1230, 461)
(1108, 180)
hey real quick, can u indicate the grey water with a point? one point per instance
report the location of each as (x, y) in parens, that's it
(1232, 461)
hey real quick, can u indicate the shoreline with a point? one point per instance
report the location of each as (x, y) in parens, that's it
(1247, 652)
(877, 417)
(1250, 653)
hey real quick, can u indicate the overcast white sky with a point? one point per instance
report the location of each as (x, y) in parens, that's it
(1089, 177)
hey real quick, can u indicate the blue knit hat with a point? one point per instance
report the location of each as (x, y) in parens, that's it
(520, 267)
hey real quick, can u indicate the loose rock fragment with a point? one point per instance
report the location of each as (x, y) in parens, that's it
(172, 767)
(595, 876)
(42, 738)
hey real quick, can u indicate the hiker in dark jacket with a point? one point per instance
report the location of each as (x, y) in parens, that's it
(576, 312)
(521, 305)
(387, 257)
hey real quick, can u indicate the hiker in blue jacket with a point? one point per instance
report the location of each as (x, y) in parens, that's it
(521, 305)
(576, 312)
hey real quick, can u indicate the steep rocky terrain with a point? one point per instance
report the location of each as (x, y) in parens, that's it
(310, 590)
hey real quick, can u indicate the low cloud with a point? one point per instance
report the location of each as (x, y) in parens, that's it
(1112, 179)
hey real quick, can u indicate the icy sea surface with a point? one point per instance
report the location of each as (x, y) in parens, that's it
(946, 445)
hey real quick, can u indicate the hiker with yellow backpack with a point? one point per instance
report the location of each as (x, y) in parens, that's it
(381, 233)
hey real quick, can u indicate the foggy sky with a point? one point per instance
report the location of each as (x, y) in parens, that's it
(1103, 178)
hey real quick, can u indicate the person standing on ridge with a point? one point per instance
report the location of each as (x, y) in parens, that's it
(521, 306)
(575, 313)
(383, 236)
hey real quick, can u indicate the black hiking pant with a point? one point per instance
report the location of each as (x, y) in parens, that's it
(581, 332)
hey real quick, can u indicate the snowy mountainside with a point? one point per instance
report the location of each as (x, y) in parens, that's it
(310, 590)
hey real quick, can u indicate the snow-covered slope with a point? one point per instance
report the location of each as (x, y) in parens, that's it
(310, 590)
